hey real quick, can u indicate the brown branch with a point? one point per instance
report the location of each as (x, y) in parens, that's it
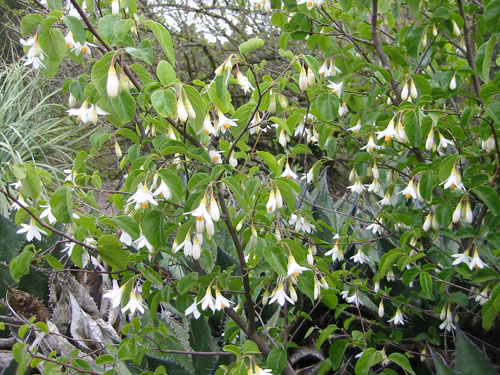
(379, 49)
(469, 53)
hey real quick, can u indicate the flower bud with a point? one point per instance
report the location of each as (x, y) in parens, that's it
(267, 5)
(429, 143)
(424, 40)
(283, 101)
(240, 225)
(71, 100)
(422, 354)
(375, 171)
(435, 223)
(413, 89)
(311, 79)
(233, 161)
(181, 111)
(124, 81)
(303, 79)
(324, 283)
(265, 297)
(469, 217)
(282, 138)
(456, 30)
(376, 286)
(279, 199)
(404, 91)
(427, 223)
(272, 102)
(118, 150)
(310, 257)
(189, 108)
(115, 7)
(457, 213)
(293, 293)
(381, 311)
(453, 82)
(434, 30)
(112, 84)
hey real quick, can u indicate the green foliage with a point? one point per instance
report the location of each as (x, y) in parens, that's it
(346, 202)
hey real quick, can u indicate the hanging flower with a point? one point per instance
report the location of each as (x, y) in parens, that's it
(371, 146)
(475, 261)
(115, 294)
(143, 242)
(215, 156)
(208, 301)
(335, 88)
(358, 187)
(82, 113)
(32, 231)
(220, 301)
(244, 83)
(225, 122)
(35, 55)
(388, 133)
(134, 303)
(83, 48)
(94, 112)
(288, 173)
(48, 214)
(398, 318)
(447, 324)
(336, 253)
(354, 298)
(356, 128)
(70, 42)
(271, 202)
(280, 295)
(454, 181)
(360, 257)
(142, 197)
(294, 269)
(163, 191)
(193, 309)
(409, 191)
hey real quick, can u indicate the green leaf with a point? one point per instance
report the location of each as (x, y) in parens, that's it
(31, 183)
(250, 45)
(129, 134)
(61, 204)
(106, 28)
(124, 106)
(324, 335)
(150, 274)
(446, 166)
(76, 27)
(402, 361)
(491, 308)
(188, 281)
(29, 22)
(122, 28)
(53, 44)
(153, 228)
(270, 160)
(165, 73)
(369, 358)
(276, 259)
(426, 283)
(441, 368)
(144, 51)
(412, 128)
(111, 251)
(128, 224)
(164, 38)
(54, 4)
(492, 15)
(199, 106)
(336, 352)
(249, 347)
(53, 262)
(276, 360)
(489, 197)
(470, 359)
(413, 39)
(328, 106)
(487, 58)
